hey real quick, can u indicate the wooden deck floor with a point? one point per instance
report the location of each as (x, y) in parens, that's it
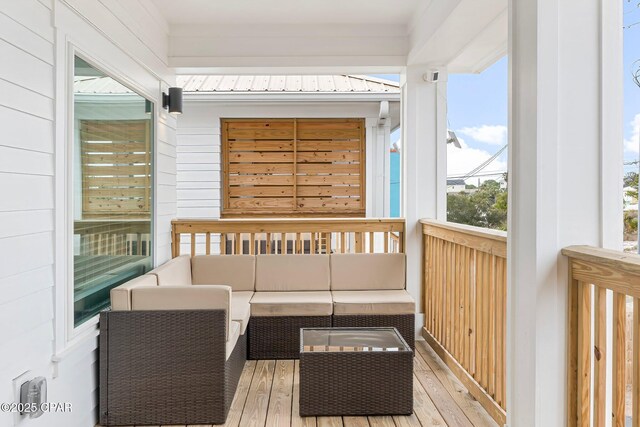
(267, 396)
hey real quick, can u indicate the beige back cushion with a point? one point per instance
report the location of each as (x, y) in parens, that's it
(237, 271)
(175, 272)
(121, 295)
(358, 272)
(205, 297)
(292, 273)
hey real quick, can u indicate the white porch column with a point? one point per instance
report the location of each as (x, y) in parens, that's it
(565, 182)
(378, 163)
(424, 166)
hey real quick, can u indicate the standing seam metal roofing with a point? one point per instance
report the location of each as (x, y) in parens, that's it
(287, 84)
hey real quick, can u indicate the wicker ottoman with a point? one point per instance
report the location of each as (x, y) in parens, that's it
(355, 371)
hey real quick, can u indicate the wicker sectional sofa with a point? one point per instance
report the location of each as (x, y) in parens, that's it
(178, 336)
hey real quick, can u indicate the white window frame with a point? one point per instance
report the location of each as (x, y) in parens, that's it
(68, 336)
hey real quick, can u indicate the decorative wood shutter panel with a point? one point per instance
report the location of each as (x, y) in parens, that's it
(293, 167)
(116, 168)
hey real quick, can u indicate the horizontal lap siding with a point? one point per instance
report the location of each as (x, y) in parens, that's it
(27, 147)
(26, 192)
(293, 167)
(198, 179)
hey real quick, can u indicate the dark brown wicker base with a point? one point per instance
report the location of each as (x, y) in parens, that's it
(157, 368)
(404, 323)
(279, 337)
(350, 383)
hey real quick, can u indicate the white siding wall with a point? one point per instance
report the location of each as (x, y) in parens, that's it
(26, 192)
(33, 280)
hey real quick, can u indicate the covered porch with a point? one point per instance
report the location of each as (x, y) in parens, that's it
(517, 329)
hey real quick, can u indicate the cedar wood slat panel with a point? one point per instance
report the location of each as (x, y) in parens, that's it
(320, 161)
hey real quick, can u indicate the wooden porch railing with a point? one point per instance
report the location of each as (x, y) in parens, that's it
(124, 237)
(282, 236)
(593, 272)
(465, 276)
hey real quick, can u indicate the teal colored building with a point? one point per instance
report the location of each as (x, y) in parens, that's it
(395, 183)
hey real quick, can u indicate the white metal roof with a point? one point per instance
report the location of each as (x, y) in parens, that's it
(99, 85)
(286, 84)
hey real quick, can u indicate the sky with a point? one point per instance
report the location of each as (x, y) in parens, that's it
(631, 34)
(477, 109)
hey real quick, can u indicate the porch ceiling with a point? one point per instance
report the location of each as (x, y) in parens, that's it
(332, 36)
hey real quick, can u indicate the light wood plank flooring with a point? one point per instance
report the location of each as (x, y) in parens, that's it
(267, 396)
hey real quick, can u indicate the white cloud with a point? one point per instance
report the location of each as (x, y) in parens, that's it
(489, 134)
(463, 160)
(631, 144)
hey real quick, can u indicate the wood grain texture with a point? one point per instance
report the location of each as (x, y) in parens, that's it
(618, 354)
(279, 412)
(464, 276)
(584, 354)
(293, 153)
(258, 398)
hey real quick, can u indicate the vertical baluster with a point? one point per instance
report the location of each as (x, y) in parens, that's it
(584, 354)
(386, 242)
(238, 243)
(177, 244)
(193, 244)
(600, 352)
(426, 273)
(447, 295)
(298, 243)
(328, 248)
(208, 243)
(313, 242)
(476, 311)
(252, 244)
(491, 354)
(343, 242)
(619, 355)
(223, 243)
(636, 362)
(372, 242)
(283, 243)
(268, 243)
(500, 329)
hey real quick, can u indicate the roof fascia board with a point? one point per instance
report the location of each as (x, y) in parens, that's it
(291, 97)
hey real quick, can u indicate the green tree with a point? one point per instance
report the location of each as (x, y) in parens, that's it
(486, 207)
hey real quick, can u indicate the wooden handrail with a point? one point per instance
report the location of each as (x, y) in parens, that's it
(465, 276)
(592, 273)
(288, 235)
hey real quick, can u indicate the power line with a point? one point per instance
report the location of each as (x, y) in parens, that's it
(476, 175)
(484, 164)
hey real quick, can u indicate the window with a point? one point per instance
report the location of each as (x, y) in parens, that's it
(293, 167)
(112, 180)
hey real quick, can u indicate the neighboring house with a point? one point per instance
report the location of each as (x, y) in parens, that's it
(331, 114)
(396, 161)
(455, 185)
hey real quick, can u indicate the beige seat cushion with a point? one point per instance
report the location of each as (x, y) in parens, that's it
(270, 304)
(121, 295)
(237, 271)
(204, 297)
(175, 272)
(276, 273)
(373, 302)
(367, 272)
(241, 309)
(234, 334)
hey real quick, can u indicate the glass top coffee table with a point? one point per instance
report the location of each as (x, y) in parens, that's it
(355, 371)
